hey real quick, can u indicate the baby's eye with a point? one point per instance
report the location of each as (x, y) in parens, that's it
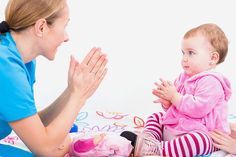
(191, 53)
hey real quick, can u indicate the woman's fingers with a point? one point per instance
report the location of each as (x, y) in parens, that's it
(219, 137)
(97, 83)
(100, 68)
(89, 56)
(88, 75)
(100, 64)
(102, 76)
(222, 147)
(94, 60)
(220, 134)
(73, 64)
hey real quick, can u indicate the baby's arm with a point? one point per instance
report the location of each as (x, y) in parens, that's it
(205, 96)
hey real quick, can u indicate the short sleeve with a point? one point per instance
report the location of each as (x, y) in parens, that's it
(16, 91)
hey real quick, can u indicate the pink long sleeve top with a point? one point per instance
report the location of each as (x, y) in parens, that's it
(203, 106)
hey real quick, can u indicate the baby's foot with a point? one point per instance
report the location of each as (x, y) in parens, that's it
(147, 145)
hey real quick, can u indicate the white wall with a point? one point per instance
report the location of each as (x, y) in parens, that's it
(142, 39)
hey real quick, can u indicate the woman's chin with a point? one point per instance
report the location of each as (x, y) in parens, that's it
(51, 56)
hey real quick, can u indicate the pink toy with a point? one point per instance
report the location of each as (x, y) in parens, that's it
(101, 145)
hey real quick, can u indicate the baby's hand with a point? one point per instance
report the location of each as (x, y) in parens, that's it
(166, 90)
(98, 138)
(165, 103)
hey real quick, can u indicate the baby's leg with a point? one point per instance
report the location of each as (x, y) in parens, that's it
(191, 144)
(153, 125)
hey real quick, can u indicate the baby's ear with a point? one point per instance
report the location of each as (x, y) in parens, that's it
(215, 57)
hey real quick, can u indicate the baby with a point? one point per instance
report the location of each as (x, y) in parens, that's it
(195, 103)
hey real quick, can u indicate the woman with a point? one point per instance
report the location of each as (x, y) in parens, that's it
(33, 28)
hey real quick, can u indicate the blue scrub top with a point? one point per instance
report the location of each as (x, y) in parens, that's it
(16, 86)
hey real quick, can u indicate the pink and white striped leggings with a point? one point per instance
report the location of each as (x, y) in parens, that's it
(192, 144)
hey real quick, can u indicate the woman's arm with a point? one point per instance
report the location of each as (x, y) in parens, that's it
(45, 136)
(48, 114)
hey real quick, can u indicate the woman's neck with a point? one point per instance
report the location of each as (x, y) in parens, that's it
(25, 44)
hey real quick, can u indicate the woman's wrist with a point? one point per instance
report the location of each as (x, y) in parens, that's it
(75, 96)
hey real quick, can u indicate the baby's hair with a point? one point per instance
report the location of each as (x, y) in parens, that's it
(214, 35)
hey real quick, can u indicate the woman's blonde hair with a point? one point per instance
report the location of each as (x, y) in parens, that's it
(21, 14)
(214, 35)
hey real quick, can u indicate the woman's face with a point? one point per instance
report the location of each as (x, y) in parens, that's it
(56, 35)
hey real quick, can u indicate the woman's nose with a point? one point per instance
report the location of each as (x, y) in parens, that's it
(66, 37)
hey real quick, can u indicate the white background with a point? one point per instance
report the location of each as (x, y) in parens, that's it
(142, 40)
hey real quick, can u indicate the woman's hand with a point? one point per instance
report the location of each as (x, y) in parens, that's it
(84, 78)
(224, 141)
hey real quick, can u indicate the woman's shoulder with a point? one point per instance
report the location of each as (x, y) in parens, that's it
(10, 58)
(9, 62)
(12, 65)
(8, 47)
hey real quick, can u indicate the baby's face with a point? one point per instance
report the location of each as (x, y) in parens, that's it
(196, 55)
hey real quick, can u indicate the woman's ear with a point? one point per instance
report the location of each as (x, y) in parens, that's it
(214, 58)
(40, 27)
